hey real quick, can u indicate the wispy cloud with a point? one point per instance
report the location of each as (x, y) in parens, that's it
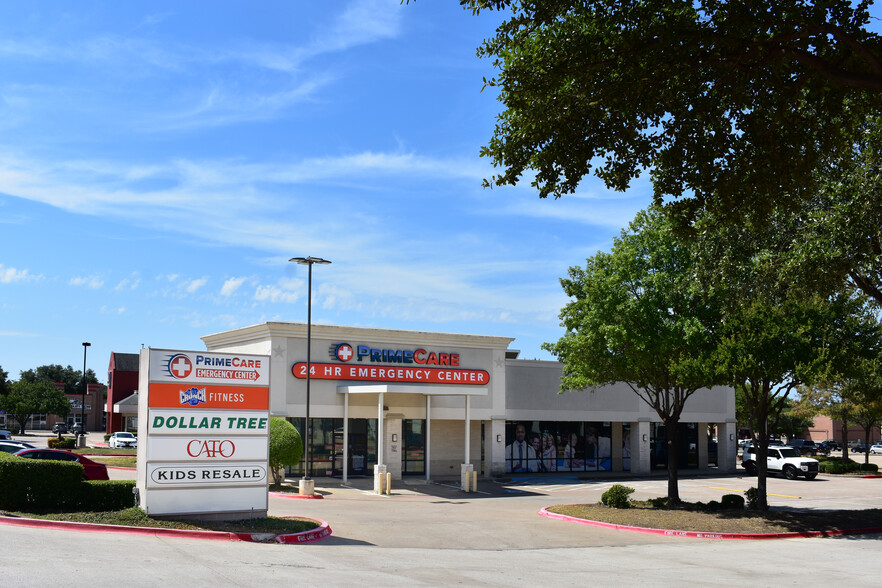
(191, 286)
(92, 282)
(9, 275)
(231, 285)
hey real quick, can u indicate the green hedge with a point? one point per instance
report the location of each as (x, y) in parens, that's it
(106, 495)
(63, 443)
(837, 466)
(39, 485)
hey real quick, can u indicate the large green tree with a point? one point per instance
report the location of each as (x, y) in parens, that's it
(27, 398)
(71, 378)
(732, 106)
(637, 316)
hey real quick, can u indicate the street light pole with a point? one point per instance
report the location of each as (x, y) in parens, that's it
(83, 403)
(307, 486)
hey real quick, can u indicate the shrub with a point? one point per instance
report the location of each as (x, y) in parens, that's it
(869, 467)
(617, 496)
(38, 485)
(659, 502)
(104, 495)
(107, 437)
(285, 446)
(732, 501)
(751, 494)
(63, 443)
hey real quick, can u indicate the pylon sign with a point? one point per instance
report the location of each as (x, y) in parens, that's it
(203, 438)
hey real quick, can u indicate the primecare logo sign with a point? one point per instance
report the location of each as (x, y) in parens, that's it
(207, 432)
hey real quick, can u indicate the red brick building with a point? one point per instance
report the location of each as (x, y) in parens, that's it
(827, 428)
(122, 382)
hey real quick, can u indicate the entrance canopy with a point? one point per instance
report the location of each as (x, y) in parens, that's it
(426, 390)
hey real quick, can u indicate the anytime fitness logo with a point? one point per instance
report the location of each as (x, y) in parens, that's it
(211, 448)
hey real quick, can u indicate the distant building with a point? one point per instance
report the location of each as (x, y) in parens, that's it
(122, 383)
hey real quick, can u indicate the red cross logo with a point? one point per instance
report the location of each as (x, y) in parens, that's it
(344, 352)
(180, 366)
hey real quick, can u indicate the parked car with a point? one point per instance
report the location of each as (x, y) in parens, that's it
(832, 444)
(92, 469)
(804, 446)
(825, 448)
(122, 439)
(77, 429)
(877, 448)
(4, 434)
(59, 428)
(783, 460)
(859, 448)
(9, 446)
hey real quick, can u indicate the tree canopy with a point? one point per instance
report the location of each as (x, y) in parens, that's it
(27, 398)
(637, 316)
(72, 379)
(731, 106)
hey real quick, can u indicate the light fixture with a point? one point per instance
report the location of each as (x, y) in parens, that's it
(86, 345)
(308, 261)
(394, 437)
(499, 438)
(644, 437)
(731, 436)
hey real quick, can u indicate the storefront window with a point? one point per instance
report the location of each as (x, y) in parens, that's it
(548, 446)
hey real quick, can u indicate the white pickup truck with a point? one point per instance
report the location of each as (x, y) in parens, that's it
(782, 460)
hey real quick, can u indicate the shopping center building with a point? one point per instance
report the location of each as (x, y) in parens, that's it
(432, 405)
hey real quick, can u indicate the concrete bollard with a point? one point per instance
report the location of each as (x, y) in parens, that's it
(388, 483)
(474, 481)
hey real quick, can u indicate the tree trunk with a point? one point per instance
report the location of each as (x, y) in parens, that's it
(671, 438)
(844, 440)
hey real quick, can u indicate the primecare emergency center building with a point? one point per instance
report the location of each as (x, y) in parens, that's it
(424, 404)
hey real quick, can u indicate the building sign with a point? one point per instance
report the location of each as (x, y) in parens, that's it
(207, 432)
(369, 373)
(363, 353)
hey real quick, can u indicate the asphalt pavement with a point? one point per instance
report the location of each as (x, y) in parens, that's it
(432, 534)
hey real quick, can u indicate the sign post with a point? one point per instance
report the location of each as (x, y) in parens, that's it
(203, 439)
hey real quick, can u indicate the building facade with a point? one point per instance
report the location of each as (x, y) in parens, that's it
(439, 404)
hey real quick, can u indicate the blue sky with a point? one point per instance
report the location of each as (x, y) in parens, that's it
(160, 162)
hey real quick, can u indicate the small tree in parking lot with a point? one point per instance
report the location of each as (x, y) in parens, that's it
(285, 447)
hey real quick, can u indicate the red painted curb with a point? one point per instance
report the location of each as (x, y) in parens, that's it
(290, 495)
(322, 531)
(701, 535)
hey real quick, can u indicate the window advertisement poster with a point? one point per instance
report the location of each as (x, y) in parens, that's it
(203, 447)
(545, 446)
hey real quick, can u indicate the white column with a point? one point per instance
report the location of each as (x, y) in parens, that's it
(345, 437)
(381, 457)
(468, 406)
(428, 436)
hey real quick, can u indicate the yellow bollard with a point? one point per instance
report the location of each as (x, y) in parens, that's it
(388, 483)
(474, 481)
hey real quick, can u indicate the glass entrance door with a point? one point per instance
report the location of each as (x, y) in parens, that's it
(414, 447)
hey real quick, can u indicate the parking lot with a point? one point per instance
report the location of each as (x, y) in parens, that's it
(434, 534)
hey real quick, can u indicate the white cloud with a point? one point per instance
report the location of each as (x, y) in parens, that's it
(192, 286)
(230, 286)
(280, 293)
(8, 275)
(92, 282)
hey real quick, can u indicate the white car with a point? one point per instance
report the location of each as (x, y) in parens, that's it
(877, 448)
(122, 439)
